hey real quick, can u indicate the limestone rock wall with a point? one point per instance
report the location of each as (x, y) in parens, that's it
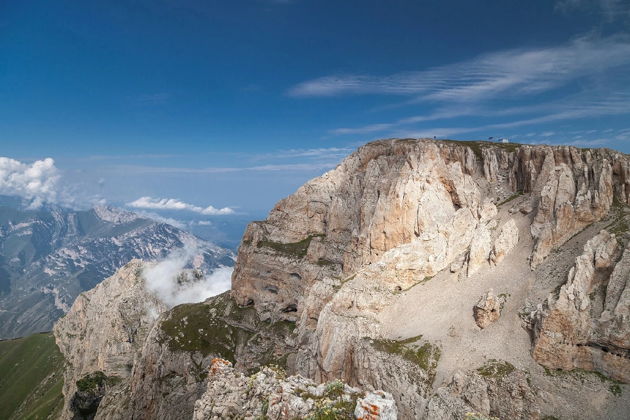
(395, 213)
(436, 196)
(586, 325)
(313, 280)
(105, 329)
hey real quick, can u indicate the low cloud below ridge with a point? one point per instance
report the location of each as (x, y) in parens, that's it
(166, 281)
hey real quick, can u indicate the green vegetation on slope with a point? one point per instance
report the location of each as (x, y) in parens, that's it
(496, 369)
(332, 405)
(196, 327)
(294, 249)
(478, 146)
(619, 225)
(425, 355)
(31, 378)
(219, 327)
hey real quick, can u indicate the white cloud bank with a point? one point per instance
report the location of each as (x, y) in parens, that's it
(35, 182)
(162, 279)
(175, 204)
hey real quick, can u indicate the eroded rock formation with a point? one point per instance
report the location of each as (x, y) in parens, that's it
(586, 324)
(488, 309)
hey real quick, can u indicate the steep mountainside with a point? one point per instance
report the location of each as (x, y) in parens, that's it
(49, 256)
(382, 260)
(457, 277)
(31, 378)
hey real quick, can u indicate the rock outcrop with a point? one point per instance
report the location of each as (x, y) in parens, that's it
(171, 373)
(270, 394)
(435, 197)
(488, 309)
(586, 324)
(496, 389)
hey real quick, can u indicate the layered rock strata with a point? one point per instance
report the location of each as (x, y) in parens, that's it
(586, 323)
(433, 197)
(391, 216)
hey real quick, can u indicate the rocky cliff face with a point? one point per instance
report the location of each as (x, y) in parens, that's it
(131, 356)
(372, 275)
(104, 332)
(342, 254)
(586, 324)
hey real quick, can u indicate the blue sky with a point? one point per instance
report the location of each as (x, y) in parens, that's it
(188, 106)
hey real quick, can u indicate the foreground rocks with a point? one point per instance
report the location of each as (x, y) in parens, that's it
(270, 394)
(495, 389)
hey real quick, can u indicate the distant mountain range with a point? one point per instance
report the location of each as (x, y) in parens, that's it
(48, 256)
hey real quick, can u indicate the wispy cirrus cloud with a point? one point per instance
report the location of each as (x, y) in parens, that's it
(610, 9)
(148, 99)
(614, 105)
(271, 167)
(508, 72)
(150, 203)
(579, 106)
(313, 154)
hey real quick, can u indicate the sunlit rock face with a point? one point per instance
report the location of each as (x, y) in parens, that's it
(438, 198)
(586, 324)
(372, 275)
(395, 214)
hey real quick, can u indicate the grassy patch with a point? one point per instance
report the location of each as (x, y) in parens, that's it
(217, 328)
(496, 369)
(332, 405)
(478, 146)
(619, 225)
(194, 327)
(292, 249)
(512, 197)
(323, 262)
(425, 355)
(334, 389)
(615, 389)
(583, 375)
(31, 378)
(335, 410)
(92, 381)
